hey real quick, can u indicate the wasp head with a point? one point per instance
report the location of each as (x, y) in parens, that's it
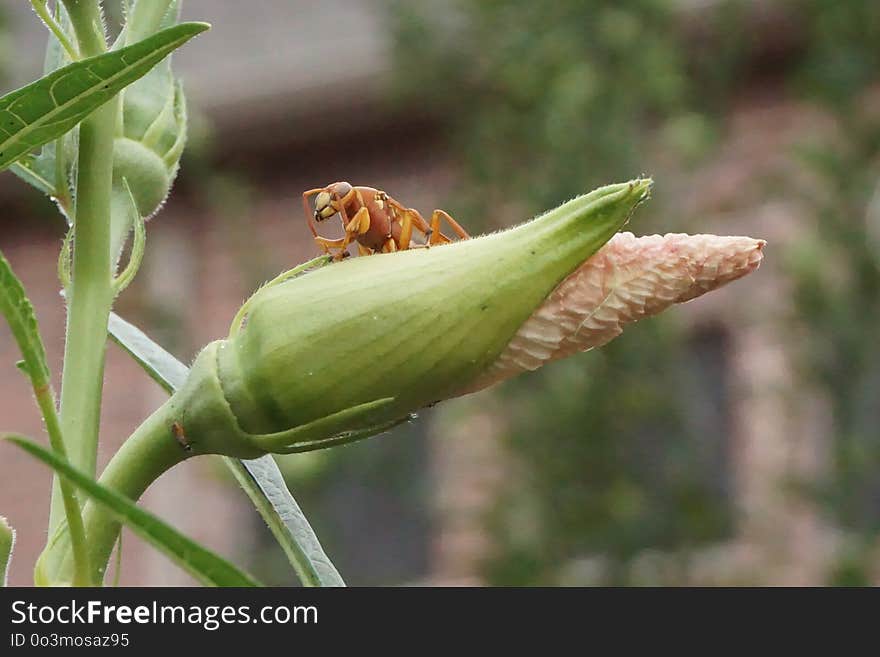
(327, 201)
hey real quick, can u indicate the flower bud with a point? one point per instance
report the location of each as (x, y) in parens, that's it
(147, 153)
(145, 171)
(353, 348)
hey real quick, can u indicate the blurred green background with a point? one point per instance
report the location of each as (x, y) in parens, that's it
(545, 99)
(731, 441)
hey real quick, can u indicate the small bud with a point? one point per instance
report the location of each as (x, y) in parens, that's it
(145, 172)
(354, 347)
(147, 153)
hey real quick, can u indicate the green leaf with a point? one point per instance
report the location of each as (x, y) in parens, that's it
(263, 482)
(42, 170)
(7, 542)
(46, 109)
(123, 278)
(260, 478)
(37, 170)
(206, 566)
(56, 56)
(19, 314)
(162, 367)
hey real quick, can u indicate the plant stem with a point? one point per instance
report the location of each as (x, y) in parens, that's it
(43, 12)
(145, 18)
(145, 455)
(85, 16)
(7, 542)
(81, 570)
(90, 290)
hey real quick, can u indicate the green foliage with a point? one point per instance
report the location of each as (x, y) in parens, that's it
(199, 562)
(16, 308)
(600, 88)
(539, 115)
(836, 270)
(115, 188)
(162, 367)
(260, 478)
(264, 483)
(46, 109)
(19, 314)
(842, 58)
(147, 149)
(51, 169)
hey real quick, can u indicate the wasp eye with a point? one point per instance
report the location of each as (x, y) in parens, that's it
(324, 206)
(322, 200)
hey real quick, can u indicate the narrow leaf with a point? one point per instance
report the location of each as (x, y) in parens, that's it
(263, 482)
(162, 367)
(56, 56)
(38, 170)
(7, 542)
(46, 109)
(206, 566)
(48, 170)
(19, 314)
(260, 478)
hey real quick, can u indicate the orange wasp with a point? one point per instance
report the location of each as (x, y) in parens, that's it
(370, 217)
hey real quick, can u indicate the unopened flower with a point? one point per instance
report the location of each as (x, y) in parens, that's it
(146, 155)
(352, 348)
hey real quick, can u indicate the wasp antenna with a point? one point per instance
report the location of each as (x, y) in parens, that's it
(307, 212)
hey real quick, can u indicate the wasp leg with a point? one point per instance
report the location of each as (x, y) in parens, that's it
(390, 246)
(357, 226)
(436, 237)
(406, 226)
(361, 222)
(364, 250)
(327, 244)
(409, 219)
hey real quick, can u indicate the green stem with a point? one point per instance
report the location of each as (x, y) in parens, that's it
(143, 457)
(81, 570)
(145, 18)
(85, 16)
(150, 451)
(7, 542)
(90, 290)
(91, 295)
(43, 12)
